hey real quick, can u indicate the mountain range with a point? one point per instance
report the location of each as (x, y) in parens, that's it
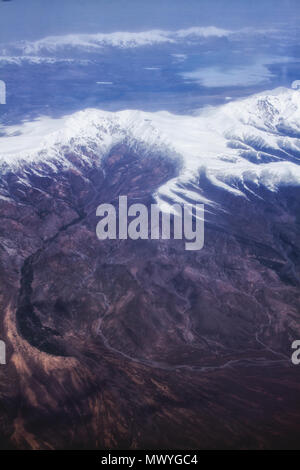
(139, 343)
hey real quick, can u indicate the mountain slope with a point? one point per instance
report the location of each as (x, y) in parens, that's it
(142, 344)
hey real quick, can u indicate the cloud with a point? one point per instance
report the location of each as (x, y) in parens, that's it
(214, 77)
(241, 75)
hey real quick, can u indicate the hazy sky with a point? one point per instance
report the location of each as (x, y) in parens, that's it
(32, 19)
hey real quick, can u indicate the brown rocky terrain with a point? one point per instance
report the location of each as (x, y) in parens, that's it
(141, 344)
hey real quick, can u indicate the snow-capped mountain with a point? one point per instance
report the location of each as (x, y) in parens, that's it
(121, 39)
(79, 314)
(256, 140)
